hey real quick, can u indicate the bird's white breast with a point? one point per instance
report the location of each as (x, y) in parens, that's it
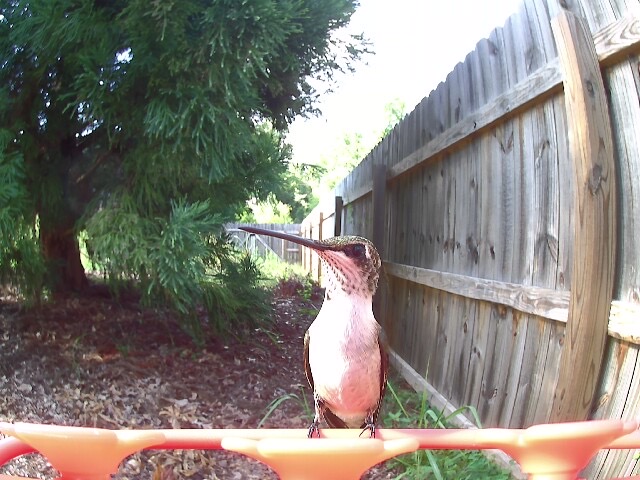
(344, 357)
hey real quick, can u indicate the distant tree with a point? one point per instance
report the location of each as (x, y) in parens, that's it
(352, 148)
(394, 111)
(148, 124)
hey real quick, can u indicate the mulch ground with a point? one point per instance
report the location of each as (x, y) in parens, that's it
(98, 362)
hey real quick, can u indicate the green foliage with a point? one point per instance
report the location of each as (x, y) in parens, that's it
(394, 112)
(184, 262)
(122, 117)
(307, 183)
(20, 258)
(406, 409)
(273, 269)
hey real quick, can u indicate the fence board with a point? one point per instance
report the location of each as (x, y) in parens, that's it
(616, 398)
(544, 82)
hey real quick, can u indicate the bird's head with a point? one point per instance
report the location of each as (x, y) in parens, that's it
(351, 263)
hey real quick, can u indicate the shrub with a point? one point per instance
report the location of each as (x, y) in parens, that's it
(185, 263)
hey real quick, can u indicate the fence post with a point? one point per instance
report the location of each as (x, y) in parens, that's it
(337, 217)
(319, 264)
(378, 215)
(593, 262)
(379, 193)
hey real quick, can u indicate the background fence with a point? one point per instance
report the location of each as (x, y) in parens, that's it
(506, 207)
(262, 245)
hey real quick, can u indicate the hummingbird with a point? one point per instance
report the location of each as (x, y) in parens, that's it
(345, 357)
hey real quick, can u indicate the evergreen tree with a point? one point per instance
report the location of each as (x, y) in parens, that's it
(146, 124)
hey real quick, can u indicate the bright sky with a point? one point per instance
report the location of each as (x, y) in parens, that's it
(416, 44)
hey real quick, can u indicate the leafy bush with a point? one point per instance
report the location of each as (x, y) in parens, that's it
(185, 263)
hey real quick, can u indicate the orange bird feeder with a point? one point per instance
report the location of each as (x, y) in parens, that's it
(544, 452)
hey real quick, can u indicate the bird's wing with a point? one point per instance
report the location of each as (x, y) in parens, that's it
(384, 370)
(384, 367)
(333, 420)
(307, 367)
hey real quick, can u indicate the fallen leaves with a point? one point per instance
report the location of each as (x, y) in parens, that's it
(95, 362)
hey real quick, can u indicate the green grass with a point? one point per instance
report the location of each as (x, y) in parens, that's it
(300, 399)
(404, 408)
(274, 270)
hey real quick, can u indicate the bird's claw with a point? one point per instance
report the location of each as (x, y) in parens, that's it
(372, 429)
(313, 429)
(370, 425)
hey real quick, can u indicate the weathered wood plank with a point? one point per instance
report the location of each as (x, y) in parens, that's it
(512, 334)
(617, 396)
(378, 223)
(419, 384)
(593, 263)
(534, 336)
(539, 85)
(544, 302)
(337, 224)
(615, 399)
(623, 81)
(351, 196)
(618, 40)
(480, 336)
(612, 43)
(464, 346)
(624, 321)
(469, 374)
(541, 410)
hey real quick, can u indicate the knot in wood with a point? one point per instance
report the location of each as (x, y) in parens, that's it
(595, 179)
(590, 89)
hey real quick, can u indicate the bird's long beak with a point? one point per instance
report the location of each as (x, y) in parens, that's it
(306, 242)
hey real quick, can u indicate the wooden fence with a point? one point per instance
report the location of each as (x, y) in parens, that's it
(506, 207)
(262, 245)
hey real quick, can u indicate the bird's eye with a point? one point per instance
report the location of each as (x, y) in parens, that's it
(356, 251)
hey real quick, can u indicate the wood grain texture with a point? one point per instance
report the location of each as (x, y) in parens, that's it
(337, 224)
(619, 388)
(548, 303)
(616, 398)
(544, 82)
(624, 321)
(618, 40)
(612, 42)
(543, 302)
(591, 149)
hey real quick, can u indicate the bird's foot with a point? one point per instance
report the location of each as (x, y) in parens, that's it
(372, 430)
(314, 429)
(369, 424)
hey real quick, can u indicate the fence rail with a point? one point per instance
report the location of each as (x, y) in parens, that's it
(507, 210)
